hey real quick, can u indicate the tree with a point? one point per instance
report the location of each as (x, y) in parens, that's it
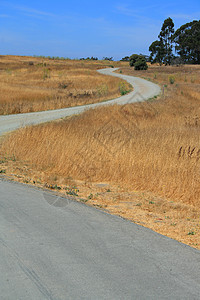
(89, 58)
(133, 58)
(161, 50)
(166, 37)
(187, 40)
(141, 64)
(108, 58)
(126, 58)
(157, 52)
(93, 58)
(138, 61)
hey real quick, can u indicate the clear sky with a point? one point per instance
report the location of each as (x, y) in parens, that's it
(78, 29)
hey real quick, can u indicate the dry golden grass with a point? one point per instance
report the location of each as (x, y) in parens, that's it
(34, 84)
(183, 74)
(148, 153)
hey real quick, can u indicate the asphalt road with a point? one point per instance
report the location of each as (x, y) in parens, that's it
(55, 248)
(143, 90)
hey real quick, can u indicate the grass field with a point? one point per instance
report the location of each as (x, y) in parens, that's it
(29, 84)
(140, 161)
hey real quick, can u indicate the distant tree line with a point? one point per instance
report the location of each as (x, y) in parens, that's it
(89, 58)
(126, 58)
(185, 41)
(52, 57)
(95, 58)
(107, 58)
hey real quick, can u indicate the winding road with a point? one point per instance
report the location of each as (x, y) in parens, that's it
(143, 90)
(55, 248)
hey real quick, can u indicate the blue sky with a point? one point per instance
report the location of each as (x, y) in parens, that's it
(78, 29)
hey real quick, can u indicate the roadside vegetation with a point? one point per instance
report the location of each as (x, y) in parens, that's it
(29, 84)
(140, 161)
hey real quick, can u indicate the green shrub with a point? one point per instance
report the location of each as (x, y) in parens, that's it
(191, 232)
(123, 89)
(171, 79)
(133, 58)
(46, 73)
(140, 64)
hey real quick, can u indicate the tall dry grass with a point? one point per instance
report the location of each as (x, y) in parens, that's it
(30, 84)
(182, 74)
(152, 146)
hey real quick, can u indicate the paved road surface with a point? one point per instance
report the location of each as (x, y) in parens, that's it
(142, 90)
(54, 248)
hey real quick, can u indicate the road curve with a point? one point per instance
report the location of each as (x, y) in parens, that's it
(55, 248)
(143, 90)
